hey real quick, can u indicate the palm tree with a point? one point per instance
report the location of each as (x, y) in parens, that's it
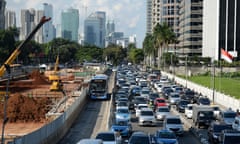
(163, 35)
(149, 49)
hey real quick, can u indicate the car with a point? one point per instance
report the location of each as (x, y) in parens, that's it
(153, 96)
(162, 112)
(188, 95)
(165, 137)
(124, 127)
(109, 137)
(139, 100)
(216, 110)
(121, 104)
(173, 98)
(139, 137)
(145, 93)
(214, 130)
(146, 117)
(139, 107)
(90, 141)
(203, 101)
(227, 116)
(160, 102)
(181, 105)
(166, 91)
(174, 124)
(188, 111)
(122, 113)
(229, 137)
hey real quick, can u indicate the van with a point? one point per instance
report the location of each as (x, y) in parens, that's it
(90, 141)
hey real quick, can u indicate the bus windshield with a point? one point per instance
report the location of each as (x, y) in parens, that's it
(98, 85)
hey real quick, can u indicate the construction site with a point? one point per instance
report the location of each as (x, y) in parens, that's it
(32, 101)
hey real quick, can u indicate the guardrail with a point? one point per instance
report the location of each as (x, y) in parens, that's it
(219, 98)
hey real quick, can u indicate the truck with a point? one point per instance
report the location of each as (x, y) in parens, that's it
(202, 115)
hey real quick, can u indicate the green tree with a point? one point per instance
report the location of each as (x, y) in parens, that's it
(89, 53)
(149, 49)
(136, 56)
(115, 54)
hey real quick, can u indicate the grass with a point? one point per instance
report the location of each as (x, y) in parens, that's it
(225, 85)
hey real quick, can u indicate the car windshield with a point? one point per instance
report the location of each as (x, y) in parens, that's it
(173, 121)
(106, 137)
(163, 109)
(166, 135)
(219, 128)
(147, 113)
(145, 92)
(184, 102)
(235, 139)
(160, 100)
(175, 96)
(139, 140)
(121, 123)
(122, 111)
(140, 107)
(229, 115)
(190, 107)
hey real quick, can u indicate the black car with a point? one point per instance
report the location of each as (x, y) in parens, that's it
(203, 101)
(166, 92)
(181, 105)
(188, 95)
(214, 131)
(153, 96)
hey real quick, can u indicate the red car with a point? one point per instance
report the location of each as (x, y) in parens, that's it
(158, 102)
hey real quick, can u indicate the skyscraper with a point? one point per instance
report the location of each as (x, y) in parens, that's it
(149, 16)
(39, 34)
(70, 24)
(2, 13)
(94, 29)
(221, 27)
(110, 27)
(10, 19)
(27, 22)
(48, 28)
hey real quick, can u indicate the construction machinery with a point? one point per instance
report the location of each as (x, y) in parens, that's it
(55, 78)
(17, 51)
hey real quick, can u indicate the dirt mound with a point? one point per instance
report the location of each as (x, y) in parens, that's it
(26, 109)
(38, 78)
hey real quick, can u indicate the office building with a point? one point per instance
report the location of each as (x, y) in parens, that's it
(221, 28)
(48, 28)
(27, 22)
(94, 29)
(70, 24)
(39, 34)
(190, 39)
(110, 27)
(149, 16)
(2, 14)
(10, 19)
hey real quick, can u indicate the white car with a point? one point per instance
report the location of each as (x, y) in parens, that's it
(139, 107)
(109, 137)
(162, 112)
(188, 111)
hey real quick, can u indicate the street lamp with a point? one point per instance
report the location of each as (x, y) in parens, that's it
(186, 70)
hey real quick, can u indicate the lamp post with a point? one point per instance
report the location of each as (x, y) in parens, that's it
(186, 70)
(5, 118)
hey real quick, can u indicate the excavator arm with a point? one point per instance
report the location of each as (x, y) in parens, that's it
(17, 51)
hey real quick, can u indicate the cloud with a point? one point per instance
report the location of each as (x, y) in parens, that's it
(133, 22)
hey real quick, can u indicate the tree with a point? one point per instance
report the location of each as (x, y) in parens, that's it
(136, 55)
(114, 53)
(149, 50)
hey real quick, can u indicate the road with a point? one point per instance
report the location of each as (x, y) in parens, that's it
(92, 119)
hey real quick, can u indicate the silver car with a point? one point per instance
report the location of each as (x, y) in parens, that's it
(162, 112)
(174, 124)
(146, 117)
(174, 97)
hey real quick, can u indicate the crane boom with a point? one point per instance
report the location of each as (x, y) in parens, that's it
(17, 51)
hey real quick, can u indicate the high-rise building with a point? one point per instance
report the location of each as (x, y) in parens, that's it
(10, 19)
(27, 22)
(221, 27)
(70, 24)
(110, 27)
(2, 13)
(94, 29)
(190, 39)
(164, 11)
(48, 28)
(39, 34)
(149, 16)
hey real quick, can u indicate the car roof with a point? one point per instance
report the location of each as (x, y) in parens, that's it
(139, 133)
(146, 109)
(172, 116)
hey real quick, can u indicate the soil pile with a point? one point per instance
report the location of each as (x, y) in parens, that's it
(38, 78)
(26, 109)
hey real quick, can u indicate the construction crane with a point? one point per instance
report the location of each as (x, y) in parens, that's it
(17, 51)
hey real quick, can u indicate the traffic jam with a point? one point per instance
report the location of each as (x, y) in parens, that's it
(150, 108)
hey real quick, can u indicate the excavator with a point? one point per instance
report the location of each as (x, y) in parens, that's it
(55, 78)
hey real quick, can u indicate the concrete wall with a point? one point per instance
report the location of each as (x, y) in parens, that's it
(219, 98)
(54, 131)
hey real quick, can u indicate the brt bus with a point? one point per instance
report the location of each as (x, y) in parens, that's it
(98, 87)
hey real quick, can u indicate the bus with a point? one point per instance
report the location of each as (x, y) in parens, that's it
(98, 87)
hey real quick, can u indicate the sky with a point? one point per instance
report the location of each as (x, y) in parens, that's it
(129, 15)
